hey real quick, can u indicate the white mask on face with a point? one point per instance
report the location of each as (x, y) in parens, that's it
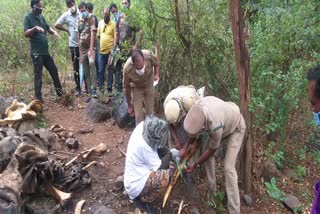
(141, 71)
(73, 9)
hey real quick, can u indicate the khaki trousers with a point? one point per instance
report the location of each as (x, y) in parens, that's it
(142, 98)
(90, 73)
(234, 142)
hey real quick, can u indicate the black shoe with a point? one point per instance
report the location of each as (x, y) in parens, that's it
(144, 206)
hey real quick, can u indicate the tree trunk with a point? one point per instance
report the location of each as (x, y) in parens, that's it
(242, 64)
(186, 41)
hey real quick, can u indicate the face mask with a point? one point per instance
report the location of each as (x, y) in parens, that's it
(73, 9)
(37, 10)
(141, 71)
(106, 19)
(316, 118)
(84, 14)
(116, 14)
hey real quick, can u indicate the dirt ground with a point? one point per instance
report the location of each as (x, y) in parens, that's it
(111, 165)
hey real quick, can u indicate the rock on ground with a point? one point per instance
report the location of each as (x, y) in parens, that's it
(104, 210)
(292, 202)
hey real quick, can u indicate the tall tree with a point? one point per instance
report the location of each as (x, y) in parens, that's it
(242, 65)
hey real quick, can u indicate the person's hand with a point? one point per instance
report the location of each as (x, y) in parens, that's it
(92, 54)
(131, 110)
(56, 35)
(39, 29)
(175, 154)
(190, 168)
(135, 47)
(156, 77)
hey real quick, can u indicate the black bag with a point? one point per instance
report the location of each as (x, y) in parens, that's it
(120, 112)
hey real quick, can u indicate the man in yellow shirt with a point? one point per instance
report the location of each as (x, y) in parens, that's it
(106, 33)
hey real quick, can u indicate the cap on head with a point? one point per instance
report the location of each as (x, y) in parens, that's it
(155, 132)
(172, 111)
(194, 120)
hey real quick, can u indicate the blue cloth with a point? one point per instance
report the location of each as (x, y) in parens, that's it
(81, 75)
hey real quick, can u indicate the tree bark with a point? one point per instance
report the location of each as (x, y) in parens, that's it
(242, 65)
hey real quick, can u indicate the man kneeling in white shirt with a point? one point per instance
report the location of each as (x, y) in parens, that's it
(147, 172)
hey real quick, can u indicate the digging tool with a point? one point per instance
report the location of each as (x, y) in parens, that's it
(190, 152)
(60, 196)
(79, 207)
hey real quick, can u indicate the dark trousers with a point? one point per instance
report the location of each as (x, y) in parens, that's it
(117, 72)
(47, 61)
(75, 61)
(103, 61)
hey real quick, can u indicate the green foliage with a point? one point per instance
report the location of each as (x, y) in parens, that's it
(277, 156)
(278, 159)
(273, 191)
(41, 121)
(316, 157)
(282, 48)
(313, 141)
(219, 201)
(301, 172)
(301, 153)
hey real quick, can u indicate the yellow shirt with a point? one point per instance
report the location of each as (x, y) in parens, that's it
(106, 35)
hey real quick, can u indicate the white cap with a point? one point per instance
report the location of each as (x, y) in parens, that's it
(172, 111)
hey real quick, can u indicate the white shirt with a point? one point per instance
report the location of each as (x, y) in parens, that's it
(141, 160)
(72, 23)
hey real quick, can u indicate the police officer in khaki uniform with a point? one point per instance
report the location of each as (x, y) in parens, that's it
(140, 71)
(223, 122)
(176, 106)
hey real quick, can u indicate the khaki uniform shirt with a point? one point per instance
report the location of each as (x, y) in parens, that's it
(185, 95)
(222, 118)
(85, 27)
(132, 79)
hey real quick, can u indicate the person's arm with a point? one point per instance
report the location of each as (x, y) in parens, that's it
(156, 68)
(213, 145)
(138, 40)
(129, 100)
(92, 34)
(165, 161)
(60, 22)
(184, 149)
(175, 137)
(204, 157)
(62, 28)
(53, 32)
(31, 31)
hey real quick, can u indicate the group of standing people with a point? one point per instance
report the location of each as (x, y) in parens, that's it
(94, 46)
